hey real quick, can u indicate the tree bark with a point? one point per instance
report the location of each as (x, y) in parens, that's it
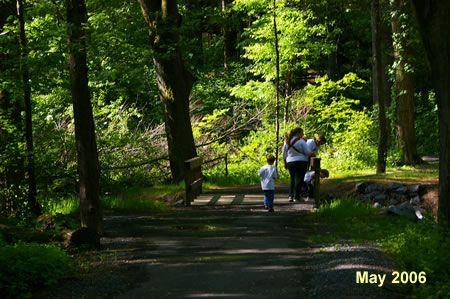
(434, 24)
(28, 119)
(404, 89)
(12, 172)
(277, 83)
(88, 167)
(174, 80)
(379, 80)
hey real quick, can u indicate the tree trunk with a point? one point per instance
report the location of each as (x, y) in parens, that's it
(229, 35)
(88, 167)
(174, 80)
(27, 100)
(404, 89)
(12, 172)
(277, 84)
(434, 24)
(382, 122)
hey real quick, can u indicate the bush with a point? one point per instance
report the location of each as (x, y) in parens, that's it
(27, 266)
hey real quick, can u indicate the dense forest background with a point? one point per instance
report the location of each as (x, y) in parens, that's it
(323, 80)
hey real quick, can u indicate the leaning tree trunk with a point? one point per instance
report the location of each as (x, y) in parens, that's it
(404, 88)
(27, 100)
(88, 166)
(434, 24)
(382, 122)
(174, 80)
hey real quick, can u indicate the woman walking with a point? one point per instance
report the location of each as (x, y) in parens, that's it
(295, 156)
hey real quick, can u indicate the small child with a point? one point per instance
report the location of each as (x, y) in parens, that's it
(268, 173)
(309, 181)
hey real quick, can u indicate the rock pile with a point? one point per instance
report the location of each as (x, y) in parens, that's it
(396, 198)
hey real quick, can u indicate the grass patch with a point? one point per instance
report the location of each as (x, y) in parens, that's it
(25, 267)
(133, 198)
(414, 246)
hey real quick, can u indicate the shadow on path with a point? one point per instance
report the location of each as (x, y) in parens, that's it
(228, 251)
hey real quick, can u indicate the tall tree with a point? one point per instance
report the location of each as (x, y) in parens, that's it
(434, 24)
(27, 100)
(12, 172)
(382, 122)
(88, 166)
(277, 82)
(404, 84)
(174, 80)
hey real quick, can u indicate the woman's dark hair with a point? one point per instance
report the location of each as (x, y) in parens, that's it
(293, 133)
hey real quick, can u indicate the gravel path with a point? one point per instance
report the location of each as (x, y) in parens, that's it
(234, 251)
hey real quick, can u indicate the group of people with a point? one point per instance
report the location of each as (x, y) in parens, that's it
(297, 152)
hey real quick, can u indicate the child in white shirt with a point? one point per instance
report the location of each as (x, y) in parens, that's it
(268, 173)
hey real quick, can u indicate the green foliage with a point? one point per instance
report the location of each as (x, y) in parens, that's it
(25, 267)
(349, 129)
(427, 125)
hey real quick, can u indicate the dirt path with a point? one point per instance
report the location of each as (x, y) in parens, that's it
(226, 251)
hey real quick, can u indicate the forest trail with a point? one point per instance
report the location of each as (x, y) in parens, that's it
(227, 251)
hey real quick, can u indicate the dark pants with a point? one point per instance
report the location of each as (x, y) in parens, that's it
(297, 171)
(268, 198)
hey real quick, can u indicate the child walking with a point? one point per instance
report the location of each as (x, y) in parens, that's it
(268, 173)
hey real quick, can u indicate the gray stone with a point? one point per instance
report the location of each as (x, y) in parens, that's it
(377, 205)
(405, 209)
(415, 200)
(371, 196)
(397, 188)
(373, 187)
(419, 188)
(394, 186)
(361, 187)
(394, 202)
(419, 213)
(179, 203)
(380, 197)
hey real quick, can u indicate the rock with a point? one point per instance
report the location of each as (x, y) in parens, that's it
(419, 213)
(377, 205)
(371, 196)
(394, 202)
(380, 197)
(82, 237)
(415, 200)
(179, 203)
(373, 187)
(45, 221)
(361, 187)
(394, 186)
(419, 189)
(404, 209)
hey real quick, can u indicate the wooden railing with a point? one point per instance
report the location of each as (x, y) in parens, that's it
(193, 179)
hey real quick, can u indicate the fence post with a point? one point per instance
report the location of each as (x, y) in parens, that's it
(316, 169)
(193, 179)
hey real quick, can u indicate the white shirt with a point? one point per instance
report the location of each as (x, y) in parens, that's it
(291, 155)
(312, 147)
(308, 176)
(267, 174)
